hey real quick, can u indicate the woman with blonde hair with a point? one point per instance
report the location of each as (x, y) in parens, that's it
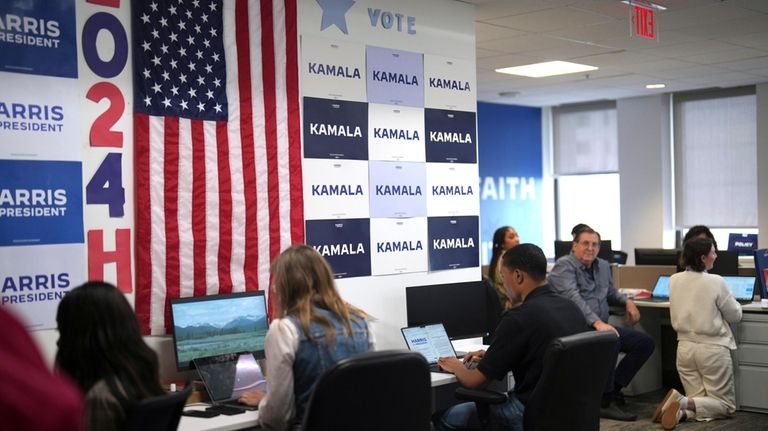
(313, 329)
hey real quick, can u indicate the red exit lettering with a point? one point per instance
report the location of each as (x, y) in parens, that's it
(644, 22)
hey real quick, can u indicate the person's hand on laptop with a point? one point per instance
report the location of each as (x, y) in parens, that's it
(450, 364)
(474, 356)
(252, 398)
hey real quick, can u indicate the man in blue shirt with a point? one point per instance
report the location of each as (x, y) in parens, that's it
(586, 279)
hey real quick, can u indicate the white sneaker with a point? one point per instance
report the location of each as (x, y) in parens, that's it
(672, 395)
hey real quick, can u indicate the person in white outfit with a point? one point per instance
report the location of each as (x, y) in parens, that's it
(701, 308)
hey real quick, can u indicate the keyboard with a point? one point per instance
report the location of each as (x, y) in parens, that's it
(226, 410)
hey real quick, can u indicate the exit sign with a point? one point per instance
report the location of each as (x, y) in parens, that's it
(643, 22)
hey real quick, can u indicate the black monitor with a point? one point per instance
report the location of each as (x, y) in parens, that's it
(656, 256)
(563, 248)
(460, 307)
(727, 263)
(216, 325)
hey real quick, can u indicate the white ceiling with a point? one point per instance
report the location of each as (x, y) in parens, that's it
(701, 44)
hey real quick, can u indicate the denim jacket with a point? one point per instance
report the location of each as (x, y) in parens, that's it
(315, 355)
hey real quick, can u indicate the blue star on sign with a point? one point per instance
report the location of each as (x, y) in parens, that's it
(333, 13)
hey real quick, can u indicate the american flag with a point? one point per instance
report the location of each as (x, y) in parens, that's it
(217, 147)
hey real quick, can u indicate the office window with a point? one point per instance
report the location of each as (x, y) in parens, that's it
(715, 135)
(590, 199)
(585, 139)
(586, 163)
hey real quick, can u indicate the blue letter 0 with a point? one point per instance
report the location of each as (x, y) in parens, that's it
(104, 21)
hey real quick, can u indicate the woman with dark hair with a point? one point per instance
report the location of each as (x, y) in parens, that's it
(504, 238)
(101, 349)
(701, 308)
(699, 231)
(313, 330)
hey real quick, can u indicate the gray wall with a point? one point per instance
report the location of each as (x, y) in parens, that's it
(645, 168)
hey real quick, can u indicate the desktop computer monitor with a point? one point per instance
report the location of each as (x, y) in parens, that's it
(216, 325)
(657, 256)
(727, 263)
(606, 249)
(460, 307)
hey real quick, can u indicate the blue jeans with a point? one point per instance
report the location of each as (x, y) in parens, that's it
(507, 416)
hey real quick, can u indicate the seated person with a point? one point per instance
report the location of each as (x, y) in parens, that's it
(314, 330)
(504, 238)
(586, 279)
(32, 398)
(701, 308)
(521, 340)
(101, 349)
(498, 299)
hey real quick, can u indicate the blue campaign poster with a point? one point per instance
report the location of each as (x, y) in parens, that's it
(761, 270)
(38, 37)
(453, 242)
(510, 165)
(395, 77)
(451, 136)
(335, 129)
(398, 189)
(44, 208)
(344, 243)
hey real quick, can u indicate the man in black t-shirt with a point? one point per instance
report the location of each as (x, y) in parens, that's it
(520, 341)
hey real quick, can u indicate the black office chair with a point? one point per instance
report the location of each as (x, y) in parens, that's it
(576, 369)
(620, 257)
(373, 391)
(569, 391)
(161, 413)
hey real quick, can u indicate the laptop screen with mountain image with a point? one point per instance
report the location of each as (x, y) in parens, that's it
(218, 325)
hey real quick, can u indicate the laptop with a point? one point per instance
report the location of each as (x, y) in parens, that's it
(660, 291)
(431, 341)
(227, 376)
(742, 287)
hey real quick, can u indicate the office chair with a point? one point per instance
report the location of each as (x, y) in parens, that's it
(161, 413)
(569, 390)
(374, 391)
(620, 257)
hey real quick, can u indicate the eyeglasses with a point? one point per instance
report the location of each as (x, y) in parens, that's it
(587, 244)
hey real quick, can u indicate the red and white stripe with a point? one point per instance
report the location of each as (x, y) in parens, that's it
(216, 202)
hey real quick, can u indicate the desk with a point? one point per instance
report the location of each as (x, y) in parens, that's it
(750, 360)
(218, 423)
(443, 385)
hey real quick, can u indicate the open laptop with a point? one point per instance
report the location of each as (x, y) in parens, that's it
(431, 341)
(660, 292)
(742, 287)
(227, 376)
